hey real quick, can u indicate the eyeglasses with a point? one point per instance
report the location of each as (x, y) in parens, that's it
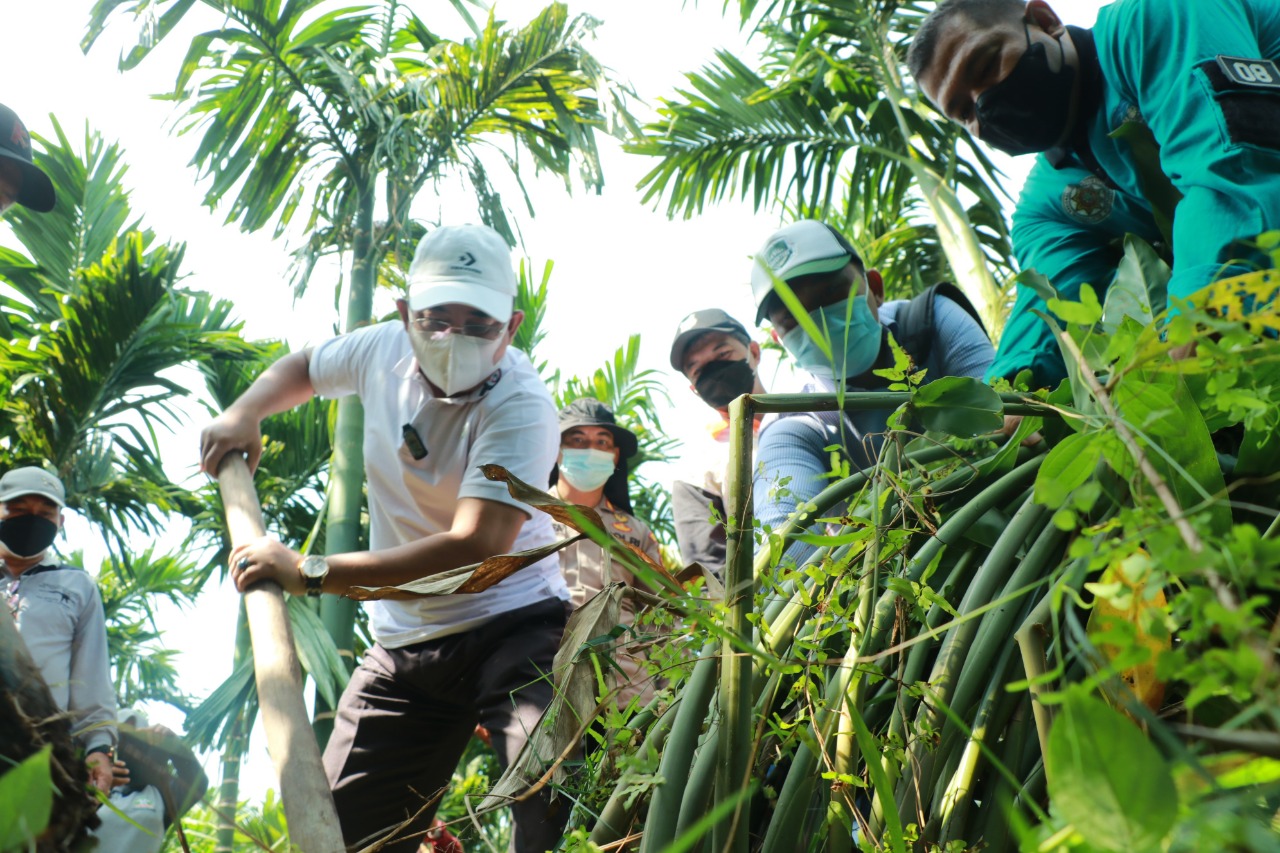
(439, 325)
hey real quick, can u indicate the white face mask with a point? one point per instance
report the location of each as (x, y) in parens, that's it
(454, 363)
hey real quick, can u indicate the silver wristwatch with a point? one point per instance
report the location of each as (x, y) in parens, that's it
(314, 570)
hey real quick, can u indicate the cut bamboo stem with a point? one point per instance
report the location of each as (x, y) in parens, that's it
(730, 835)
(304, 790)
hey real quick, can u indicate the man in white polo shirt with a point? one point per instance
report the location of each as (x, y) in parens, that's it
(443, 393)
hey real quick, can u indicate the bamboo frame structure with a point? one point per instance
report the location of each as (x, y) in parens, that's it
(734, 744)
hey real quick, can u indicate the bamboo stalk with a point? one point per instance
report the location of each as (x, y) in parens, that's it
(1030, 640)
(1014, 404)
(730, 835)
(677, 758)
(697, 789)
(796, 794)
(304, 790)
(952, 531)
(952, 807)
(233, 753)
(615, 817)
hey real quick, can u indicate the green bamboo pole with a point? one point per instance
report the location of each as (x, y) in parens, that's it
(845, 756)
(952, 809)
(697, 790)
(616, 815)
(952, 532)
(1018, 752)
(797, 790)
(343, 525)
(863, 401)
(677, 757)
(730, 835)
(1030, 640)
(948, 682)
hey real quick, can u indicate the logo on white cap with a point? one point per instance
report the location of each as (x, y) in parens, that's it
(465, 264)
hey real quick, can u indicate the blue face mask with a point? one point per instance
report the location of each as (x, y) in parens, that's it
(854, 334)
(586, 469)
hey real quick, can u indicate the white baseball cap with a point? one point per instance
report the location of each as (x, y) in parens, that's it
(468, 264)
(802, 248)
(32, 481)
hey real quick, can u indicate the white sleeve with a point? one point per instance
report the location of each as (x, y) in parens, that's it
(520, 434)
(337, 365)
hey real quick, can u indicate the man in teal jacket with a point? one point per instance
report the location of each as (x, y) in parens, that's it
(1201, 75)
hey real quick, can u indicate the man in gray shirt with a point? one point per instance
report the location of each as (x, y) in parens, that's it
(59, 613)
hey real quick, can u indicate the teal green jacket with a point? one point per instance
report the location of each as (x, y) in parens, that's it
(1217, 122)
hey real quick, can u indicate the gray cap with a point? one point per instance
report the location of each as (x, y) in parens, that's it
(32, 481)
(698, 324)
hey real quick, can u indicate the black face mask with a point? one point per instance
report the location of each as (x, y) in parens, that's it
(722, 382)
(27, 535)
(1027, 111)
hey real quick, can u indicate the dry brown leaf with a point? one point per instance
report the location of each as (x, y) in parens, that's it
(570, 515)
(464, 579)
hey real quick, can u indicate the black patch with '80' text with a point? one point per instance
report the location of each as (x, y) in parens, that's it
(1248, 93)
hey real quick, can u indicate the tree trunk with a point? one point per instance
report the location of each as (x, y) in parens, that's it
(237, 745)
(30, 719)
(346, 472)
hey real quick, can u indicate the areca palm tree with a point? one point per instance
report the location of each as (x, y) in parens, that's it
(828, 127)
(315, 106)
(94, 325)
(94, 320)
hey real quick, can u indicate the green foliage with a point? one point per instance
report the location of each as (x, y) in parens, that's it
(959, 406)
(26, 791)
(930, 674)
(96, 325)
(308, 106)
(829, 128)
(257, 828)
(142, 669)
(1107, 779)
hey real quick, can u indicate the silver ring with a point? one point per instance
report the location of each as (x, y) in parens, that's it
(243, 564)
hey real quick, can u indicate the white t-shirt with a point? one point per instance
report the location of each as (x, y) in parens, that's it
(510, 422)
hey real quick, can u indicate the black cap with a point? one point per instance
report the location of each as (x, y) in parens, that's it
(15, 145)
(698, 324)
(587, 411)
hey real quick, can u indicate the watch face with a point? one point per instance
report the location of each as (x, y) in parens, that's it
(314, 567)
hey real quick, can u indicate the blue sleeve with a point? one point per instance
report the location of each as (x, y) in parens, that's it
(960, 347)
(1219, 141)
(791, 468)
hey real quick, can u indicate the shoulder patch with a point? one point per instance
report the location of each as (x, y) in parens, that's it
(1089, 202)
(1255, 73)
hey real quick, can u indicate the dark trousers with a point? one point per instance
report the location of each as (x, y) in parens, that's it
(407, 714)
